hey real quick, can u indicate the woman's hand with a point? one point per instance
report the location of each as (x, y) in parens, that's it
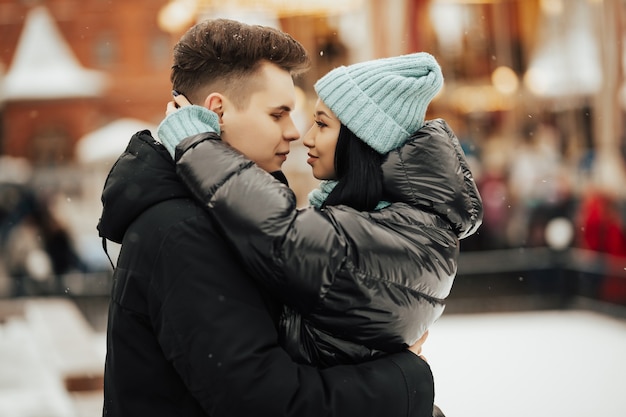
(178, 125)
(178, 102)
(417, 346)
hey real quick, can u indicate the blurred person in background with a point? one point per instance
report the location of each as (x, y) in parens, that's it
(496, 196)
(190, 332)
(602, 222)
(534, 180)
(37, 247)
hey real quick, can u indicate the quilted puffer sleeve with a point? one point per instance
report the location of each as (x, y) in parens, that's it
(430, 171)
(294, 253)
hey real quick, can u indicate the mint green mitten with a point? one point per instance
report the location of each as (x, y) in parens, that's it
(186, 121)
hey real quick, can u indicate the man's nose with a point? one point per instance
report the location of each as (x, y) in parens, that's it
(291, 132)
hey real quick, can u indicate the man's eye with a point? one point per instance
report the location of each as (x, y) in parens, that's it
(277, 115)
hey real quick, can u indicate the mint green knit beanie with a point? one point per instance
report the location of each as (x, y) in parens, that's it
(383, 101)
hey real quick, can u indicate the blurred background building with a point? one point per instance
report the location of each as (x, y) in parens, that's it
(534, 89)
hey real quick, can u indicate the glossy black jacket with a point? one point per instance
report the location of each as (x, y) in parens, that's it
(355, 283)
(190, 333)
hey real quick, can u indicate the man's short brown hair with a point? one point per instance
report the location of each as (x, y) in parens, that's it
(221, 55)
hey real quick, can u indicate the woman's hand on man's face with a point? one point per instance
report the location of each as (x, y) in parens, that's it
(178, 102)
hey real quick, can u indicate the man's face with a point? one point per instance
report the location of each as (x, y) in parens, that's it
(263, 130)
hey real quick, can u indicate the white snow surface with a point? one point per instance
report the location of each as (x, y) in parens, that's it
(539, 364)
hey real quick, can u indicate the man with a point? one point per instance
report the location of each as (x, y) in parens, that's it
(190, 333)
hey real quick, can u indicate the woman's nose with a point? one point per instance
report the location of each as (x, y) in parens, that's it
(309, 138)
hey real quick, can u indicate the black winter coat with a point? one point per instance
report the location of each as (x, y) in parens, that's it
(191, 334)
(355, 283)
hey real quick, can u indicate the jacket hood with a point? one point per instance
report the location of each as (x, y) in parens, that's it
(143, 176)
(430, 172)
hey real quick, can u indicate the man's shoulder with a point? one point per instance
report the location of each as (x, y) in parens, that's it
(174, 214)
(179, 241)
(176, 233)
(174, 210)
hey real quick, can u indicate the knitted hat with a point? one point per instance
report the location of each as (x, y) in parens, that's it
(384, 101)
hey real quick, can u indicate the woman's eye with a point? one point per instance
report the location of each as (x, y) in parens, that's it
(320, 124)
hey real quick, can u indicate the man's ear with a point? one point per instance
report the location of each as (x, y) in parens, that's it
(214, 102)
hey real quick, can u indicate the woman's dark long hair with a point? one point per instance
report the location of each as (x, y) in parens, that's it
(359, 173)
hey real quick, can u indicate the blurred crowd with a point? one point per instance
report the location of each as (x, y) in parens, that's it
(539, 191)
(37, 248)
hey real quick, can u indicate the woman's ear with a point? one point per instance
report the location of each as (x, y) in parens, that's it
(214, 102)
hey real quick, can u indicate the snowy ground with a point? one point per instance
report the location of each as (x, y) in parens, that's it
(539, 364)
(568, 363)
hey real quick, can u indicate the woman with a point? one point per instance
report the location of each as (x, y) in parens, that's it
(365, 270)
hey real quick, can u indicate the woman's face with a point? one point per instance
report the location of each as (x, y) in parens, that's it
(321, 139)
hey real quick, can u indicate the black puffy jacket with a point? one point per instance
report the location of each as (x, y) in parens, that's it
(354, 283)
(191, 334)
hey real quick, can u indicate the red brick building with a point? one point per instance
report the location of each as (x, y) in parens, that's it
(115, 41)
